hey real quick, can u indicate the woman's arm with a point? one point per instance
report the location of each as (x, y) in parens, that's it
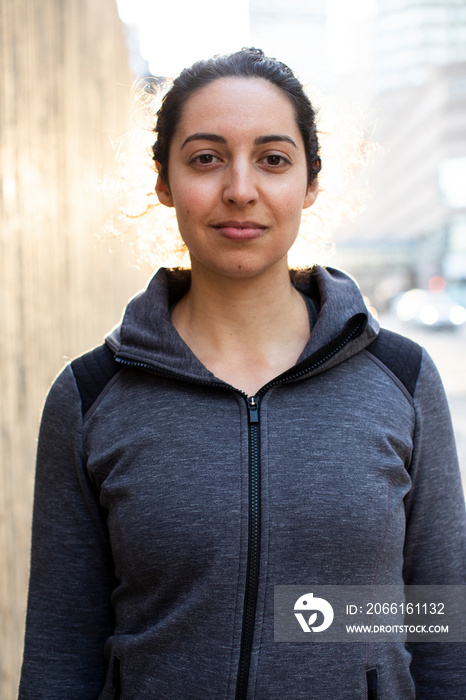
(435, 549)
(69, 614)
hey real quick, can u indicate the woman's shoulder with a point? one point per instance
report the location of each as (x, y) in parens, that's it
(78, 385)
(92, 372)
(400, 355)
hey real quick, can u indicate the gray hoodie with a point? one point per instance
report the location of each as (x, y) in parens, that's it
(166, 514)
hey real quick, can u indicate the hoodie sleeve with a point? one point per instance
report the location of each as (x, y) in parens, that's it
(69, 614)
(435, 545)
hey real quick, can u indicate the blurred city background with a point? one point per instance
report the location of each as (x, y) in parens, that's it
(389, 77)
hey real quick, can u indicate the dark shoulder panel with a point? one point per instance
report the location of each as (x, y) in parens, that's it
(92, 373)
(401, 355)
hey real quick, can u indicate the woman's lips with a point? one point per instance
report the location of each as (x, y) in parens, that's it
(240, 230)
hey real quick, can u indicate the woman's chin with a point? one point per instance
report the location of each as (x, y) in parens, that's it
(240, 267)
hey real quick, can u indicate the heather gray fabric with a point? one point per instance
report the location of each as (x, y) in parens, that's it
(140, 528)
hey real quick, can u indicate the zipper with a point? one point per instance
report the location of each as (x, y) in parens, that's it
(252, 572)
(351, 330)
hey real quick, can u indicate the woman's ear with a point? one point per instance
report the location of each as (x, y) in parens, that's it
(162, 189)
(311, 195)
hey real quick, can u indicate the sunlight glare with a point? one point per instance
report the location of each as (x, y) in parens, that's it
(176, 34)
(347, 39)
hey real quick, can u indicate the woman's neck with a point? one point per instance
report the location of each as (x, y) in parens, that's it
(246, 331)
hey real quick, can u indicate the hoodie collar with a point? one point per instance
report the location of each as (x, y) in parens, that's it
(341, 306)
(147, 336)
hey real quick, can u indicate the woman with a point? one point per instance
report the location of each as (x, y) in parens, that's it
(242, 429)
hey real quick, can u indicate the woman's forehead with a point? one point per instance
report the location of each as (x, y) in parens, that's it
(237, 103)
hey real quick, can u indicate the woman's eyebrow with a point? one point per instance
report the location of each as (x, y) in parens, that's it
(273, 137)
(259, 141)
(202, 136)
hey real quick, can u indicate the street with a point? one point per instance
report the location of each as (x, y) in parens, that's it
(448, 350)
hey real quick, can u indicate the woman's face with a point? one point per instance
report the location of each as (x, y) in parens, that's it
(237, 177)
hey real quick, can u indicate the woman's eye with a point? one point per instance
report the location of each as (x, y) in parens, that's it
(274, 160)
(205, 159)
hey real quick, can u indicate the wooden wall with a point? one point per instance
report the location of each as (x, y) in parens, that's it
(64, 96)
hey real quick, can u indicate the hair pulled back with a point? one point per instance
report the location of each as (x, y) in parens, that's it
(247, 63)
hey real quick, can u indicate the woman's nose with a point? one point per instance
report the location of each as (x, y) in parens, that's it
(240, 185)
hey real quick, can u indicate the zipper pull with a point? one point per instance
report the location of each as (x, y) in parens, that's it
(253, 408)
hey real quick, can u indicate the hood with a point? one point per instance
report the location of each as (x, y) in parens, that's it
(147, 336)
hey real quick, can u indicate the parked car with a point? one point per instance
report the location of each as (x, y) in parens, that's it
(430, 309)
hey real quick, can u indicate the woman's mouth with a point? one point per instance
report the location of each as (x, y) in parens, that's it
(240, 230)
